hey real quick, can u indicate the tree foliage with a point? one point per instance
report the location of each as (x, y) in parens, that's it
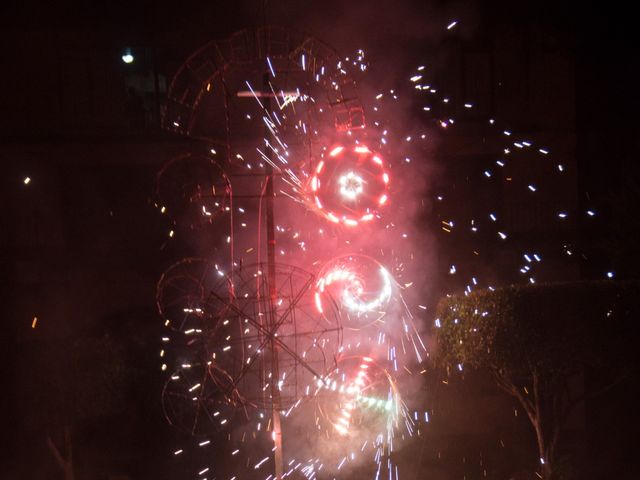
(534, 339)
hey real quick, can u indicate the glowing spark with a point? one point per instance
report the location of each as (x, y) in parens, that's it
(273, 73)
(336, 151)
(351, 185)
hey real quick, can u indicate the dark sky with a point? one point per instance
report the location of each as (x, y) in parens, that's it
(601, 39)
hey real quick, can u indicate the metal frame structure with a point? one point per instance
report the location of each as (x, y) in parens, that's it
(247, 326)
(193, 189)
(206, 69)
(261, 340)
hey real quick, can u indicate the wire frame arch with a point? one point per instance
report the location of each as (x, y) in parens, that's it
(193, 190)
(195, 401)
(181, 298)
(295, 52)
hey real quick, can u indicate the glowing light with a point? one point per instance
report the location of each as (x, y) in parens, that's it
(127, 56)
(273, 73)
(352, 295)
(318, 302)
(360, 284)
(351, 185)
(335, 151)
(331, 216)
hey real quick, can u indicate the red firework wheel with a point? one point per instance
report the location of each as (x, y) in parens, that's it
(357, 410)
(358, 392)
(350, 184)
(360, 286)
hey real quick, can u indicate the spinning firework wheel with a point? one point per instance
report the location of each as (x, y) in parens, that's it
(358, 392)
(350, 185)
(361, 287)
(262, 317)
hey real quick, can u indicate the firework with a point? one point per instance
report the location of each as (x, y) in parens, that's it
(342, 388)
(361, 286)
(350, 184)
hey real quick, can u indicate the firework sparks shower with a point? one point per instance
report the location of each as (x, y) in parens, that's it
(303, 315)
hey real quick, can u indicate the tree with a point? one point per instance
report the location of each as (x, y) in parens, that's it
(534, 340)
(81, 381)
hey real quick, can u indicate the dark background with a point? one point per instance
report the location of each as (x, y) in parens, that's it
(81, 247)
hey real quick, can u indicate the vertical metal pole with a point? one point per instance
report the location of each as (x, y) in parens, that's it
(272, 319)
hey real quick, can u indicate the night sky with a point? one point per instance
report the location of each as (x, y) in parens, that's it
(83, 246)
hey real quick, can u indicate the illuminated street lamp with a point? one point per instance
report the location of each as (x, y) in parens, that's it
(127, 56)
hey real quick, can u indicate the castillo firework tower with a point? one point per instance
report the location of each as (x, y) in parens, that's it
(255, 345)
(251, 343)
